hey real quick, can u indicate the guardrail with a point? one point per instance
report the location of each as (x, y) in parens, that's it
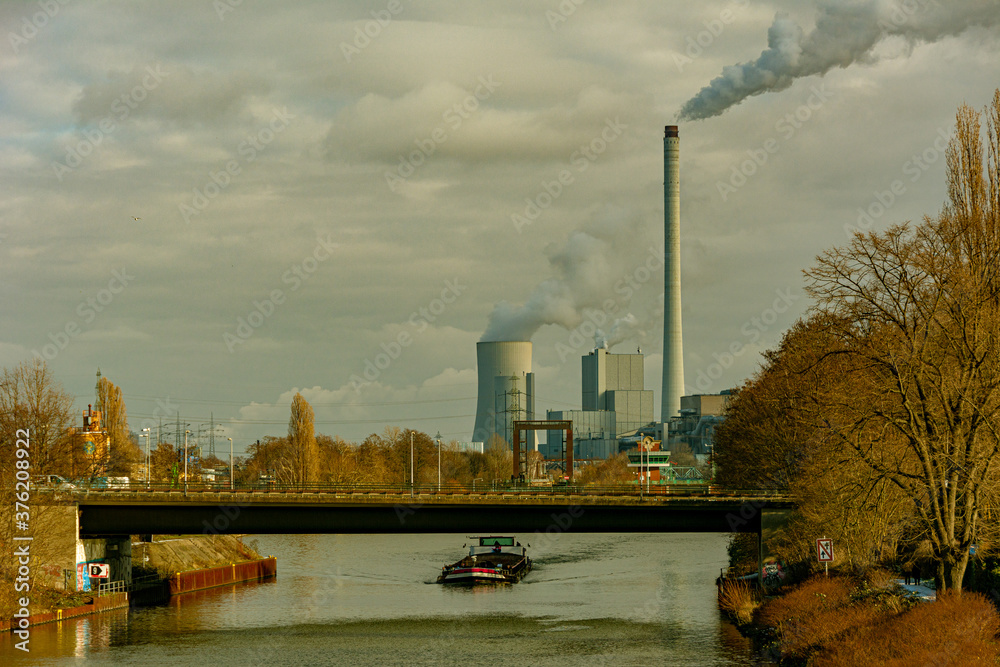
(138, 583)
(655, 490)
(112, 587)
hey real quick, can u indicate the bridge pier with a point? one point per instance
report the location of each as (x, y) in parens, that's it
(57, 544)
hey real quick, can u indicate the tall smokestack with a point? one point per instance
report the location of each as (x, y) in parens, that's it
(673, 344)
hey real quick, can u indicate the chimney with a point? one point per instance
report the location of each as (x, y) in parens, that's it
(673, 345)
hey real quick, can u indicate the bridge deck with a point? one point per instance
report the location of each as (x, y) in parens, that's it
(137, 512)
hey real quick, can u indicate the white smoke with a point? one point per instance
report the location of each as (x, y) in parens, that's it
(846, 32)
(587, 271)
(582, 269)
(620, 329)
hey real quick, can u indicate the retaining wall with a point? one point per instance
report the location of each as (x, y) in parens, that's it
(102, 603)
(196, 580)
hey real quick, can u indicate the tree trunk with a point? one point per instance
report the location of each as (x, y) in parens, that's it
(950, 572)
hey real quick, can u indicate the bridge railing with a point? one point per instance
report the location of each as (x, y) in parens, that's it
(491, 489)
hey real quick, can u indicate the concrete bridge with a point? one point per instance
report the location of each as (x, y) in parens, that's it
(110, 513)
(85, 526)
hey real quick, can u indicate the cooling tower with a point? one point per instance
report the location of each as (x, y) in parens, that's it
(673, 346)
(497, 363)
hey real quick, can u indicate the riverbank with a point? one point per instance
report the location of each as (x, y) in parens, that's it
(93, 605)
(161, 568)
(841, 620)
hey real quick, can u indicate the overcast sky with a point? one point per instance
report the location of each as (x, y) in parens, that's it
(334, 197)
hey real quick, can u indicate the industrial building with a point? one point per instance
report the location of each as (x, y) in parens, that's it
(615, 403)
(699, 415)
(616, 409)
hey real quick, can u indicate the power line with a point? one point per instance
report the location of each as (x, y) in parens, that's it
(190, 401)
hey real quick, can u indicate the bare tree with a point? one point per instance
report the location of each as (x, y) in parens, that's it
(31, 399)
(915, 313)
(37, 411)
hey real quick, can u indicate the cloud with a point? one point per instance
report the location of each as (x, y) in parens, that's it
(475, 122)
(168, 92)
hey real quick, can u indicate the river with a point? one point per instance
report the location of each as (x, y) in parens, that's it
(591, 599)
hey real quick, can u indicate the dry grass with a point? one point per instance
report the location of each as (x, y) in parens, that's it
(814, 613)
(955, 630)
(738, 599)
(840, 621)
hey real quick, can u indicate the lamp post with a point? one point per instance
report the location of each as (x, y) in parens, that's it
(411, 464)
(145, 432)
(438, 436)
(649, 466)
(230, 463)
(478, 479)
(186, 462)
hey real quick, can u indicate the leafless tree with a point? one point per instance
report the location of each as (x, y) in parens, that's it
(31, 399)
(915, 313)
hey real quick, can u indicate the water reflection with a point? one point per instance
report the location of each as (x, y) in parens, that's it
(367, 599)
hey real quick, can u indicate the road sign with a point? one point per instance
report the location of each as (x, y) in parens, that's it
(98, 570)
(824, 550)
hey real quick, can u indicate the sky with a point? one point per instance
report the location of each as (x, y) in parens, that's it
(220, 203)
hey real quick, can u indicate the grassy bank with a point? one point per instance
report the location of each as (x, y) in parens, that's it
(865, 621)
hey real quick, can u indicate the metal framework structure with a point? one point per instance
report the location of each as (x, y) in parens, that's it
(541, 425)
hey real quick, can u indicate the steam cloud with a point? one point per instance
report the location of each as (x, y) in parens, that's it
(588, 269)
(846, 32)
(620, 330)
(581, 270)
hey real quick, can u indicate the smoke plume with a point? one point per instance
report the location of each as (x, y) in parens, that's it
(621, 329)
(846, 32)
(585, 272)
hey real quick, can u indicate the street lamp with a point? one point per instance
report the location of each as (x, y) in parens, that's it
(230, 463)
(478, 479)
(649, 468)
(411, 464)
(145, 432)
(438, 436)
(186, 462)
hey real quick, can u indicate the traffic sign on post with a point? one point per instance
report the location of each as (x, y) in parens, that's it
(98, 570)
(824, 550)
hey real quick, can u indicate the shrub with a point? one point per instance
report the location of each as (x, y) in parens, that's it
(738, 599)
(954, 630)
(814, 613)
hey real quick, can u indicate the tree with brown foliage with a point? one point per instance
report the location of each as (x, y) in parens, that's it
(761, 443)
(123, 453)
(114, 416)
(609, 472)
(163, 458)
(302, 442)
(914, 316)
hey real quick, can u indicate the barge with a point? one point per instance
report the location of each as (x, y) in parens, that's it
(492, 559)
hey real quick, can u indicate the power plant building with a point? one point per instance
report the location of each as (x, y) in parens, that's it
(506, 389)
(615, 403)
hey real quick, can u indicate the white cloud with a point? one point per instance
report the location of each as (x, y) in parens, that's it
(450, 220)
